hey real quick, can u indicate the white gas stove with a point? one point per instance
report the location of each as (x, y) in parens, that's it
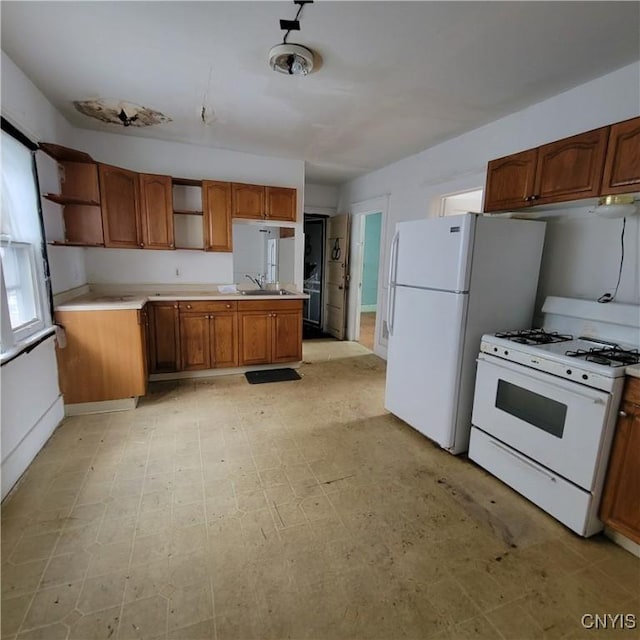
(546, 404)
(590, 361)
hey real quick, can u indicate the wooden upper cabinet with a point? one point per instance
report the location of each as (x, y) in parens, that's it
(510, 181)
(156, 211)
(164, 337)
(571, 169)
(216, 205)
(622, 164)
(281, 204)
(620, 507)
(119, 197)
(249, 201)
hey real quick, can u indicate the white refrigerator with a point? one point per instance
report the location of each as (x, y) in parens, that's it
(451, 280)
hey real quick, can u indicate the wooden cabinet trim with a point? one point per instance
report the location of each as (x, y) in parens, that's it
(207, 306)
(622, 164)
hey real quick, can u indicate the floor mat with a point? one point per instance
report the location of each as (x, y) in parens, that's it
(271, 375)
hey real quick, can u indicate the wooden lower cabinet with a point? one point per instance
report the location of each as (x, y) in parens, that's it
(620, 508)
(270, 332)
(104, 357)
(208, 335)
(164, 337)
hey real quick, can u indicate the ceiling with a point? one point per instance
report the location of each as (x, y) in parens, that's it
(395, 77)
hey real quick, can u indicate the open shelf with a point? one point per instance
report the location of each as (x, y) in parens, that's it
(64, 200)
(65, 243)
(64, 154)
(186, 212)
(187, 182)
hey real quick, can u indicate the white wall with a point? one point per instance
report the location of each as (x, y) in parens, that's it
(130, 266)
(580, 254)
(320, 198)
(31, 401)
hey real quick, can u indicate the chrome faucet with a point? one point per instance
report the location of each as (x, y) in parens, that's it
(258, 281)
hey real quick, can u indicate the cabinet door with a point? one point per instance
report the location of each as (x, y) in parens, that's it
(286, 328)
(281, 204)
(570, 169)
(195, 344)
(224, 339)
(164, 338)
(156, 211)
(622, 164)
(620, 507)
(248, 201)
(105, 355)
(216, 205)
(255, 337)
(119, 197)
(510, 181)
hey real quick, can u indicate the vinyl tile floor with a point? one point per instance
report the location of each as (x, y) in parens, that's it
(223, 510)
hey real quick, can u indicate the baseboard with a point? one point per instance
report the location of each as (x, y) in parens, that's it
(17, 461)
(209, 373)
(105, 406)
(623, 541)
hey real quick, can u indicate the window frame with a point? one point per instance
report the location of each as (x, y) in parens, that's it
(16, 340)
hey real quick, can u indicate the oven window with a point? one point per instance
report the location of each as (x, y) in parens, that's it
(539, 411)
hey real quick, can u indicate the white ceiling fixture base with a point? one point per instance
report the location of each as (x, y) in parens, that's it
(292, 59)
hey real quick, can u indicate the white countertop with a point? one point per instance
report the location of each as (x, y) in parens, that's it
(122, 300)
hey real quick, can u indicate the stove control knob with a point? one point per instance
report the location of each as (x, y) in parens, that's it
(506, 353)
(569, 372)
(585, 376)
(495, 349)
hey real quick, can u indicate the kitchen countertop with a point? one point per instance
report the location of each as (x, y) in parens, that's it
(633, 370)
(113, 301)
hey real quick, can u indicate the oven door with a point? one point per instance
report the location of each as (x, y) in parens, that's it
(555, 422)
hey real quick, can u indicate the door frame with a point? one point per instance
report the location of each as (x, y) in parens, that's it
(358, 211)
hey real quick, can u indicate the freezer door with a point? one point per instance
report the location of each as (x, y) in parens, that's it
(434, 253)
(423, 360)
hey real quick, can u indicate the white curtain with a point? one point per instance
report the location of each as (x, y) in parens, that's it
(19, 220)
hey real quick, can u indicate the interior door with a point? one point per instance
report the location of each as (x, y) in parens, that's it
(337, 261)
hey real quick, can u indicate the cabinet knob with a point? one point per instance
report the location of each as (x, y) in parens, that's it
(175, 306)
(171, 244)
(623, 414)
(275, 315)
(228, 306)
(188, 306)
(142, 244)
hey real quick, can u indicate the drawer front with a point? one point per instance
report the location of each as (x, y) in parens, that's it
(270, 305)
(207, 306)
(561, 499)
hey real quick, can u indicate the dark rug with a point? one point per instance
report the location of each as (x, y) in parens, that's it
(271, 375)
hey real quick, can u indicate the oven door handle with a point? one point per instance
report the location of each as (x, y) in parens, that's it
(541, 382)
(522, 459)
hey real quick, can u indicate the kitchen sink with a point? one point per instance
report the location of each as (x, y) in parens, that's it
(265, 292)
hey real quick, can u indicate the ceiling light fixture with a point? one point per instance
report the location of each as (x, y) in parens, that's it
(289, 58)
(616, 206)
(292, 59)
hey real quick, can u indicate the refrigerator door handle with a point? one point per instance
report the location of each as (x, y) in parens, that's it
(391, 300)
(393, 259)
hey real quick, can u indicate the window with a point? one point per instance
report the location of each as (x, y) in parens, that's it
(24, 294)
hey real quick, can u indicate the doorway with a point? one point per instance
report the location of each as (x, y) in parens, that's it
(370, 234)
(313, 276)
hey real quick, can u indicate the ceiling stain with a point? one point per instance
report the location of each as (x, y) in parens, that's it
(120, 112)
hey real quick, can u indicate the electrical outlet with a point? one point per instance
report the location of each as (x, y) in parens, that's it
(177, 272)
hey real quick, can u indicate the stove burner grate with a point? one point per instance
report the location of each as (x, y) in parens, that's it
(533, 336)
(612, 356)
